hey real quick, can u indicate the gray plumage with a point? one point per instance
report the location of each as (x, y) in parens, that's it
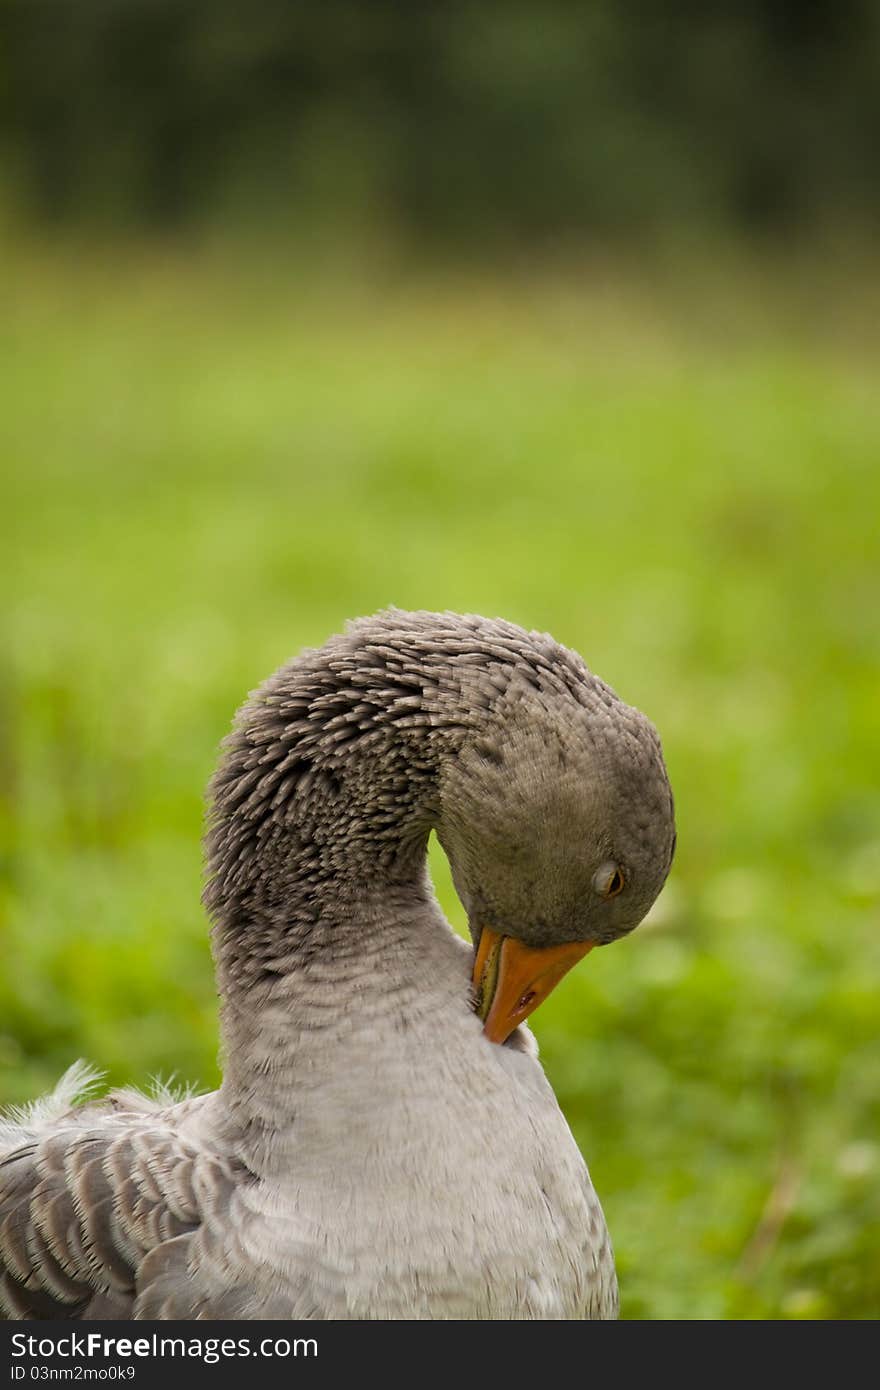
(369, 1154)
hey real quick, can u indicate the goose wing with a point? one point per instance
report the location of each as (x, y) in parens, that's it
(108, 1211)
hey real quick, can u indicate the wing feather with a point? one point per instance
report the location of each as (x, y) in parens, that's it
(99, 1208)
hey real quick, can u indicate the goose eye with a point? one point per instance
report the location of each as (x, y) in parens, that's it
(608, 880)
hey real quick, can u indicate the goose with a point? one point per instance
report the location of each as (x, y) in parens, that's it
(384, 1143)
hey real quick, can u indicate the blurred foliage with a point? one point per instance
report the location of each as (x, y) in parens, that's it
(207, 465)
(510, 120)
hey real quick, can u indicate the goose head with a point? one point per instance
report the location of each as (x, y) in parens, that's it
(557, 820)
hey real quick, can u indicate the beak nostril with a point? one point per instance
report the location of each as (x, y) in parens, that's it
(511, 979)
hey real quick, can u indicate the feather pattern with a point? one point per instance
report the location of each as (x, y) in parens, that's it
(86, 1194)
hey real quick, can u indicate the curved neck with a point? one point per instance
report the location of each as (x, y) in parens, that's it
(322, 806)
(325, 923)
(326, 930)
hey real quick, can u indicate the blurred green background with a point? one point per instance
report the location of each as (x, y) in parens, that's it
(523, 310)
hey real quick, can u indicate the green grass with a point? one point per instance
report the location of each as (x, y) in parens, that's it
(207, 468)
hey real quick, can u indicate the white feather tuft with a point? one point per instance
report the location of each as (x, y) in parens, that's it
(160, 1095)
(19, 1122)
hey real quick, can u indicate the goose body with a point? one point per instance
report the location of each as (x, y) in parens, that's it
(371, 1152)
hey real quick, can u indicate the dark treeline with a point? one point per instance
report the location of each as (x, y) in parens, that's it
(460, 120)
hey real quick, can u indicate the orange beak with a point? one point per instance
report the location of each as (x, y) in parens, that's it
(510, 979)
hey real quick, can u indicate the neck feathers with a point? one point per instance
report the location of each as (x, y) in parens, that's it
(325, 794)
(329, 782)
